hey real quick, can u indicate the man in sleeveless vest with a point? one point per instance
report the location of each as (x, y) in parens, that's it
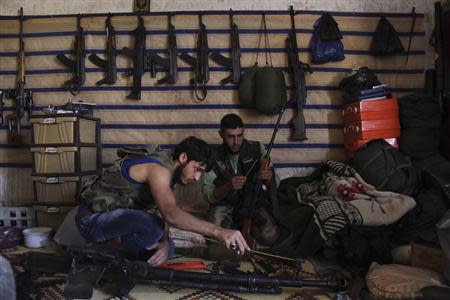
(115, 206)
(230, 182)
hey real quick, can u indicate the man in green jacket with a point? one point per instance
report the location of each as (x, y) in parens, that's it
(230, 182)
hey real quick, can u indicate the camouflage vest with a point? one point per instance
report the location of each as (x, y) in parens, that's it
(111, 190)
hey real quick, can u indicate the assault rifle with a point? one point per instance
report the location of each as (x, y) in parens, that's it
(297, 70)
(200, 62)
(1, 107)
(437, 40)
(141, 61)
(108, 65)
(77, 64)
(234, 63)
(170, 63)
(86, 267)
(21, 99)
(248, 207)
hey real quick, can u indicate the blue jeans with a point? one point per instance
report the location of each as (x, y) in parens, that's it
(136, 229)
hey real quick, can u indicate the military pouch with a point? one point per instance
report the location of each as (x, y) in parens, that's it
(270, 90)
(263, 88)
(247, 88)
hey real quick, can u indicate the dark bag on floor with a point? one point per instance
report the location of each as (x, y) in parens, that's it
(420, 118)
(386, 168)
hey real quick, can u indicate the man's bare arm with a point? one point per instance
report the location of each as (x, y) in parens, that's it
(159, 181)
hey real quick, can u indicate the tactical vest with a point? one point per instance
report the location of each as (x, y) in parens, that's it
(111, 190)
(249, 153)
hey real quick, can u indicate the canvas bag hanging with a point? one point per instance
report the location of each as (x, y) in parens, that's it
(263, 88)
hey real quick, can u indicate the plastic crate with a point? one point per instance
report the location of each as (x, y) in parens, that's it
(20, 217)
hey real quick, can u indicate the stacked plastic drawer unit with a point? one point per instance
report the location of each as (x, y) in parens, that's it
(66, 150)
(368, 120)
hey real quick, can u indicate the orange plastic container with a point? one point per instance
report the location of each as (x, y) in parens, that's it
(370, 110)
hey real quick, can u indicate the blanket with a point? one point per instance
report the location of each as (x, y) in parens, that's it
(340, 197)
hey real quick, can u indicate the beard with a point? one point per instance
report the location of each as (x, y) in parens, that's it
(177, 174)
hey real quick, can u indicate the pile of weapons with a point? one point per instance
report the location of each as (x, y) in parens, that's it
(87, 267)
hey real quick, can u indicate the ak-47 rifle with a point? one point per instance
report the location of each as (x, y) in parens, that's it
(170, 63)
(297, 70)
(234, 63)
(141, 60)
(248, 207)
(21, 99)
(200, 62)
(108, 65)
(1, 107)
(86, 267)
(438, 44)
(77, 64)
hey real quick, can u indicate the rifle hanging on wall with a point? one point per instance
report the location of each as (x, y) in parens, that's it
(297, 70)
(141, 60)
(77, 64)
(22, 100)
(170, 63)
(234, 62)
(108, 65)
(200, 62)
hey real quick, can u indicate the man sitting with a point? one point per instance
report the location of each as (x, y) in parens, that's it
(230, 185)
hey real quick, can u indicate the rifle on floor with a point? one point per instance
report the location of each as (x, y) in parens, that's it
(170, 63)
(200, 62)
(22, 100)
(297, 70)
(87, 267)
(233, 63)
(108, 65)
(77, 64)
(141, 60)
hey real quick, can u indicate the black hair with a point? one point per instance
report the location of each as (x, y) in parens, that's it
(231, 121)
(196, 149)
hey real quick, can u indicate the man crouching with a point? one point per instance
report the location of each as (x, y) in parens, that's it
(114, 206)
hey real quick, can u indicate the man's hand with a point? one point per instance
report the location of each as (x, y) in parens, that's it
(232, 239)
(161, 254)
(237, 182)
(266, 175)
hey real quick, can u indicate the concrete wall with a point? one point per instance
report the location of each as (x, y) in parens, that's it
(46, 7)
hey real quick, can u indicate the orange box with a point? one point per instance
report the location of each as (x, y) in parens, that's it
(370, 110)
(371, 129)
